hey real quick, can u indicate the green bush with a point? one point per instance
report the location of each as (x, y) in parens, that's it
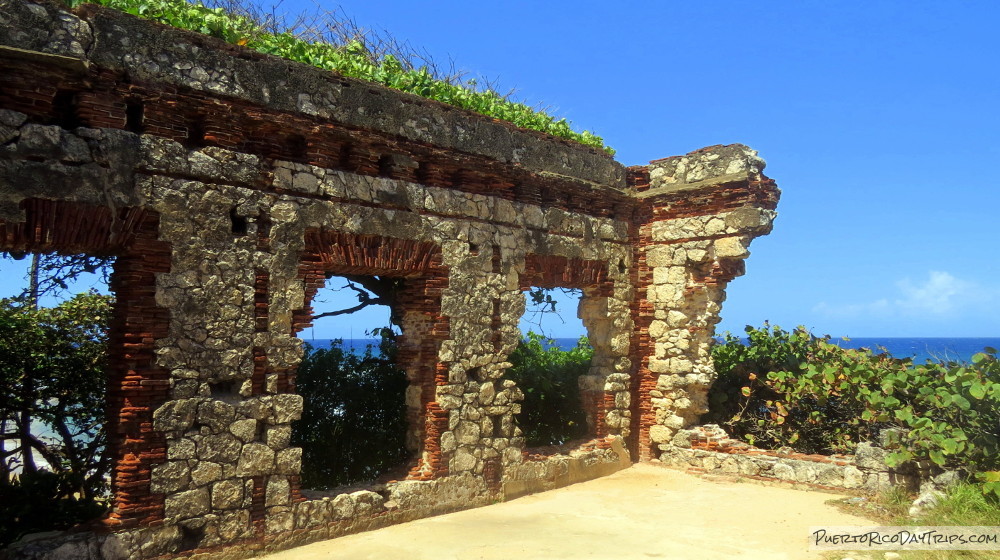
(52, 407)
(797, 390)
(353, 425)
(43, 501)
(352, 59)
(551, 413)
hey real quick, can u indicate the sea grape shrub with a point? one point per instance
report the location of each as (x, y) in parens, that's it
(551, 413)
(796, 390)
(353, 425)
(768, 394)
(951, 412)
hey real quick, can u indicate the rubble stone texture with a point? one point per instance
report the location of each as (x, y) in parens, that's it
(708, 449)
(230, 184)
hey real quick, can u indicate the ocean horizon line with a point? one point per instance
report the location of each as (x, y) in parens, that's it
(919, 349)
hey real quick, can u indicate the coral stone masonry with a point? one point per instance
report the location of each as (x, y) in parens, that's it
(231, 184)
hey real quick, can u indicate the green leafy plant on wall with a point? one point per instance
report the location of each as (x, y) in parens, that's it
(352, 58)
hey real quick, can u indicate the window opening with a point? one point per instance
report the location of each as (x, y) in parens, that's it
(55, 312)
(134, 115)
(548, 365)
(353, 426)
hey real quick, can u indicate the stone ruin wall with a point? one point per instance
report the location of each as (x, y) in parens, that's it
(229, 184)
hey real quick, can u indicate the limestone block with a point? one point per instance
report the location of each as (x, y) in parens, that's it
(278, 437)
(217, 415)
(853, 478)
(175, 415)
(245, 430)
(53, 142)
(463, 461)
(183, 448)
(486, 393)
(289, 460)
(696, 255)
(673, 422)
(367, 502)
(660, 434)
(255, 459)
(783, 471)
(870, 457)
(287, 407)
(749, 219)
(731, 248)
(677, 319)
(659, 256)
(467, 433)
(277, 492)
(184, 505)
(448, 442)
(205, 472)
(715, 226)
(279, 522)
(343, 507)
(234, 525)
(659, 366)
(620, 344)
(622, 400)
(222, 448)
(169, 477)
(805, 472)
(227, 494)
(830, 475)
(657, 329)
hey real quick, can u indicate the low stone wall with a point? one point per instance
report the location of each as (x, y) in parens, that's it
(708, 449)
(547, 472)
(345, 510)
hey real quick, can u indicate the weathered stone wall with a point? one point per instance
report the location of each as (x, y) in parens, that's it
(708, 449)
(698, 214)
(230, 184)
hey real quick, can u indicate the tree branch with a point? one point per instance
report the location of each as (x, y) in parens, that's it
(358, 307)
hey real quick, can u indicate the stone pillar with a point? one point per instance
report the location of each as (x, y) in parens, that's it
(229, 472)
(484, 303)
(699, 214)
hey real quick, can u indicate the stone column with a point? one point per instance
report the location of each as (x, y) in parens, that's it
(700, 213)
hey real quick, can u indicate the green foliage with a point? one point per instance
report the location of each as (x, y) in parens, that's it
(353, 425)
(551, 413)
(52, 366)
(42, 501)
(766, 394)
(352, 59)
(795, 389)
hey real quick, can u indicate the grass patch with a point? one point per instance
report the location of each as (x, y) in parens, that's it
(963, 505)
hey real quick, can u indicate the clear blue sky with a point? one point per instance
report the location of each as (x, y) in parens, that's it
(879, 120)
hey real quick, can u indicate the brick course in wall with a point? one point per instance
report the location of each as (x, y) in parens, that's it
(229, 200)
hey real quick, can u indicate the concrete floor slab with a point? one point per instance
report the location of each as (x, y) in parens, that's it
(646, 511)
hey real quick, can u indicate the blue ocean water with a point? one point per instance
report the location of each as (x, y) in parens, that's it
(920, 349)
(923, 349)
(358, 345)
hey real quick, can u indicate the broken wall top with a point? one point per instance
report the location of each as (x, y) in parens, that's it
(149, 52)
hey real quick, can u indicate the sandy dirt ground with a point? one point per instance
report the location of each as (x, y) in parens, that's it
(646, 511)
